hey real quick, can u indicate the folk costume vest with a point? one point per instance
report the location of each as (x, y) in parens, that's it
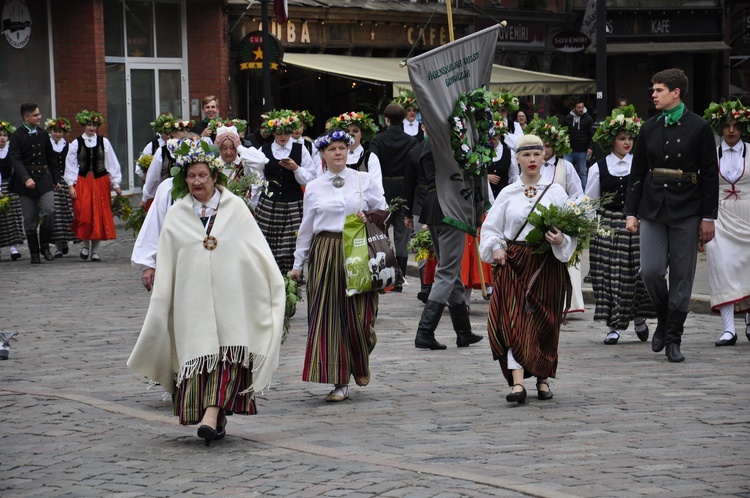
(501, 168)
(167, 161)
(282, 185)
(362, 163)
(91, 160)
(613, 184)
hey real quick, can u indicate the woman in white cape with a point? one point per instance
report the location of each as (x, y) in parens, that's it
(219, 296)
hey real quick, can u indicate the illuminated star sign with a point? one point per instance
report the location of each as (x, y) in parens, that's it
(258, 53)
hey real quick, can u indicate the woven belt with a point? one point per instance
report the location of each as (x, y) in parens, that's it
(36, 168)
(675, 174)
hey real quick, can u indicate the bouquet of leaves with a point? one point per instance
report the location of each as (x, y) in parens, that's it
(144, 162)
(135, 221)
(242, 187)
(293, 296)
(573, 219)
(121, 207)
(4, 204)
(421, 244)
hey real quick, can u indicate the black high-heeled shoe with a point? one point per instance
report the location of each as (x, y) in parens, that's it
(517, 397)
(543, 395)
(207, 433)
(221, 426)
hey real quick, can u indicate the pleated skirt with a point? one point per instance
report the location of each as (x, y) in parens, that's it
(92, 210)
(61, 231)
(527, 322)
(11, 223)
(341, 329)
(221, 388)
(618, 288)
(279, 222)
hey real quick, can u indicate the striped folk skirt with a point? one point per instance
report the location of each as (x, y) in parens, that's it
(618, 288)
(61, 231)
(279, 222)
(221, 388)
(342, 332)
(92, 210)
(11, 223)
(526, 312)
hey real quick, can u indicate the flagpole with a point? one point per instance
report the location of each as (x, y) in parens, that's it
(449, 7)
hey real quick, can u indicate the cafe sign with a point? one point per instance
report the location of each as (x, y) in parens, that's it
(251, 52)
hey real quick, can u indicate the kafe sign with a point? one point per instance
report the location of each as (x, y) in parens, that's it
(570, 41)
(16, 23)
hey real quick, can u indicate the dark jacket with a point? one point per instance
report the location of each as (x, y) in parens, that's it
(32, 151)
(581, 133)
(392, 147)
(430, 211)
(687, 145)
(414, 181)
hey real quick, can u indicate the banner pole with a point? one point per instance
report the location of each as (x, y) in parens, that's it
(450, 20)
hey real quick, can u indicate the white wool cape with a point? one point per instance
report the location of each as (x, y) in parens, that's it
(207, 303)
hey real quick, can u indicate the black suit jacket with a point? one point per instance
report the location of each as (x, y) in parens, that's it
(687, 145)
(392, 147)
(32, 149)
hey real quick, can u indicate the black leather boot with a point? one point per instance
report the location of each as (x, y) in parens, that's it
(44, 236)
(402, 265)
(659, 340)
(462, 325)
(674, 329)
(431, 314)
(33, 241)
(424, 290)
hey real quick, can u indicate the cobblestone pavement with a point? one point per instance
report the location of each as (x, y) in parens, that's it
(624, 422)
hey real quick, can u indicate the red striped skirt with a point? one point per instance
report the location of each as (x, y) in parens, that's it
(526, 312)
(92, 210)
(342, 332)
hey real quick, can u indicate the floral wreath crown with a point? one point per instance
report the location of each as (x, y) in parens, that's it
(718, 114)
(190, 151)
(161, 120)
(85, 117)
(280, 121)
(178, 124)
(363, 121)
(7, 127)
(215, 124)
(323, 141)
(506, 101)
(622, 119)
(552, 132)
(305, 117)
(407, 99)
(57, 124)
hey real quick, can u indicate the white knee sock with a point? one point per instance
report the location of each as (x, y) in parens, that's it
(727, 315)
(94, 245)
(512, 363)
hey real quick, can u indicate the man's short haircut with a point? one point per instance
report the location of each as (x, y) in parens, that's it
(579, 101)
(208, 99)
(673, 79)
(28, 108)
(395, 113)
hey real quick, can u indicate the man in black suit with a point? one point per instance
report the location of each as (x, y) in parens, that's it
(35, 176)
(673, 198)
(392, 147)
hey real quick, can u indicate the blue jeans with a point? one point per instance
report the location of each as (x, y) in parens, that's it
(578, 160)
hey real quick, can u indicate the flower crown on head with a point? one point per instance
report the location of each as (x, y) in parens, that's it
(305, 118)
(407, 99)
(191, 151)
(551, 132)
(215, 124)
(359, 119)
(622, 119)
(505, 101)
(158, 124)
(178, 124)
(323, 141)
(85, 117)
(7, 127)
(281, 121)
(718, 114)
(57, 124)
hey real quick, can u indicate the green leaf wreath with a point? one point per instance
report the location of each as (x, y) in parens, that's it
(472, 128)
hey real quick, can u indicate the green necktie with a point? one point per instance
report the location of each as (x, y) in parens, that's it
(673, 115)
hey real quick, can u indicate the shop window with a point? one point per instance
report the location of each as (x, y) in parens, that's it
(168, 37)
(139, 29)
(114, 40)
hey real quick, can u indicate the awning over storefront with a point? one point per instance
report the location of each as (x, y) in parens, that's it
(662, 47)
(386, 70)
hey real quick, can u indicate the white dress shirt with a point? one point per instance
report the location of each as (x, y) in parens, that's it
(326, 207)
(732, 162)
(111, 164)
(147, 151)
(57, 146)
(572, 181)
(509, 213)
(144, 250)
(615, 166)
(411, 127)
(373, 163)
(306, 171)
